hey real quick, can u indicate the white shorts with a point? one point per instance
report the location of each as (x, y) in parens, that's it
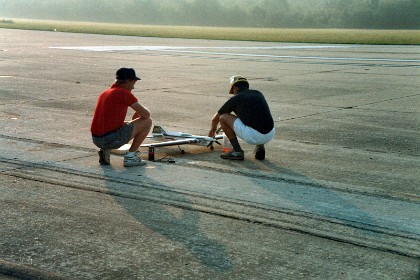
(250, 135)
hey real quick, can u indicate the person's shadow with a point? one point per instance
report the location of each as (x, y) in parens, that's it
(306, 196)
(182, 227)
(309, 197)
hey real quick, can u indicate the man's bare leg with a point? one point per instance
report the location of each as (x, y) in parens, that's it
(226, 122)
(141, 128)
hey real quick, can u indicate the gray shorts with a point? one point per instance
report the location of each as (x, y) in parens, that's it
(114, 139)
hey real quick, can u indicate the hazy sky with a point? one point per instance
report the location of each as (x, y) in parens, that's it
(391, 14)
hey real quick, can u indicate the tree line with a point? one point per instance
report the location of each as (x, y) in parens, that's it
(378, 14)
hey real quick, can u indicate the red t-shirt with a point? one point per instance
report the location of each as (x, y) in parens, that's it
(111, 110)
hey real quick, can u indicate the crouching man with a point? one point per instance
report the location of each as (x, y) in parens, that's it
(109, 129)
(251, 121)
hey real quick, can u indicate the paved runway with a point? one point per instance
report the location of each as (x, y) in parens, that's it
(341, 175)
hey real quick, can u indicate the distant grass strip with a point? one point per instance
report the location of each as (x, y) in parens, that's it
(325, 36)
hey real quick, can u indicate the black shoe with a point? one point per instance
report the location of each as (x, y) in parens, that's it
(259, 152)
(104, 157)
(233, 155)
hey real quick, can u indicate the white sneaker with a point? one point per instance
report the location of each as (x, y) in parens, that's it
(134, 160)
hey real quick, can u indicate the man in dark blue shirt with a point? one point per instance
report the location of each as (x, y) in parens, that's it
(251, 119)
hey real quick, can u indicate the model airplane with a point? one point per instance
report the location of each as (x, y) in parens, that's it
(170, 138)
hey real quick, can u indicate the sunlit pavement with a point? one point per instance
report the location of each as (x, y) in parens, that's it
(336, 198)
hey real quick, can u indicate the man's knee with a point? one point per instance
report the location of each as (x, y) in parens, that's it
(227, 119)
(223, 117)
(148, 122)
(142, 124)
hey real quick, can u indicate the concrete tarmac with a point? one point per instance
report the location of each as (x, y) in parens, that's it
(337, 197)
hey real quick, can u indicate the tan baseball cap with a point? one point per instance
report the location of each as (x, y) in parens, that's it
(236, 79)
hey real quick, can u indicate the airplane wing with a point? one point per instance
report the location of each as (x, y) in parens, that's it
(172, 143)
(178, 139)
(124, 149)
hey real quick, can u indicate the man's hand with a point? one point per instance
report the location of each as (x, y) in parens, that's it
(212, 132)
(135, 116)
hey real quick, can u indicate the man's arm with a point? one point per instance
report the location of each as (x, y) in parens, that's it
(141, 111)
(214, 123)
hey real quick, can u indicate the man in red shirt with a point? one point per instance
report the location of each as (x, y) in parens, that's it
(109, 129)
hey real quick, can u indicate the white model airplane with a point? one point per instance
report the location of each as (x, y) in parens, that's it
(171, 138)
